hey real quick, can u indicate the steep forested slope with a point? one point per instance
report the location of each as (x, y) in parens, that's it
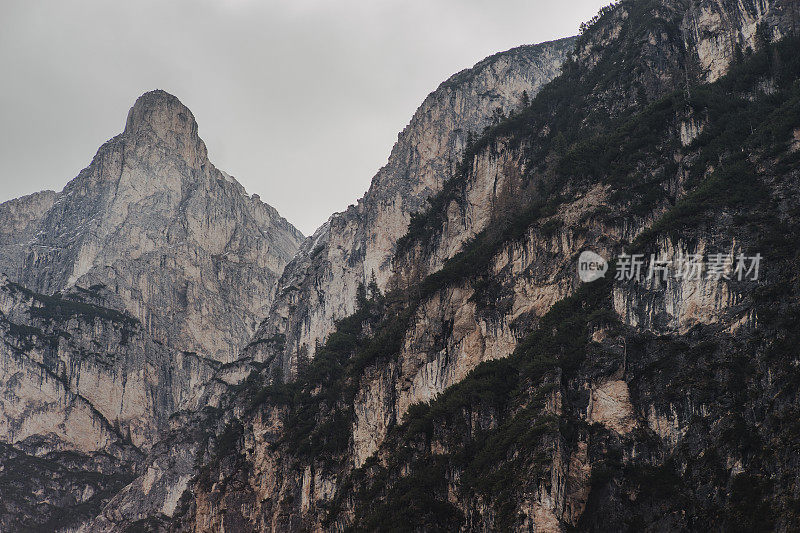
(662, 404)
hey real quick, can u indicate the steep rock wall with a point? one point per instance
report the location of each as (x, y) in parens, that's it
(319, 286)
(164, 234)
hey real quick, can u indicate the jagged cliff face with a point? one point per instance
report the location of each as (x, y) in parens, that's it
(161, 233)
(86, 393)
(126, 294)
(715, 30)
(20, 222)
(87, 376)
(319, 286)
(553, 405)
(535, 271)
(479, 385)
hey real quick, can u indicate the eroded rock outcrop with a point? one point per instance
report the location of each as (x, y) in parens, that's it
(126, 293)
(319, 286)
(162, 234)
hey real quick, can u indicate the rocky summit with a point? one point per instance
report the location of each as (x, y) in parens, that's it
(177, 357)
(159, 232)
(122, 295)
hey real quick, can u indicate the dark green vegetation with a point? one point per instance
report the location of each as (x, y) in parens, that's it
(52, 475)
(49, 317)
(319, 403)
(509, 453)
(731, 167)
(57, 308)
(634, 154)
(725, 455)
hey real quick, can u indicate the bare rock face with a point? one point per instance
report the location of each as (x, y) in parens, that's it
(162, 234)
(320, 284)
(87, 376)
(124, 294)
(86, 393)
(19, 217)
(19, 222)
(716, 29)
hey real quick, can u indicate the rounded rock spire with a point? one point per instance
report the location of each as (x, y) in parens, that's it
(163, 115)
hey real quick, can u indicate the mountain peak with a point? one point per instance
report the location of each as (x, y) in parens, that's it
(161, 114)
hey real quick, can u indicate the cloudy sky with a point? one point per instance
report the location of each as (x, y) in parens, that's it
(300, 100)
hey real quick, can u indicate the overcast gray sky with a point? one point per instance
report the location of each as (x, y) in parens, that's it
(300, 100)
